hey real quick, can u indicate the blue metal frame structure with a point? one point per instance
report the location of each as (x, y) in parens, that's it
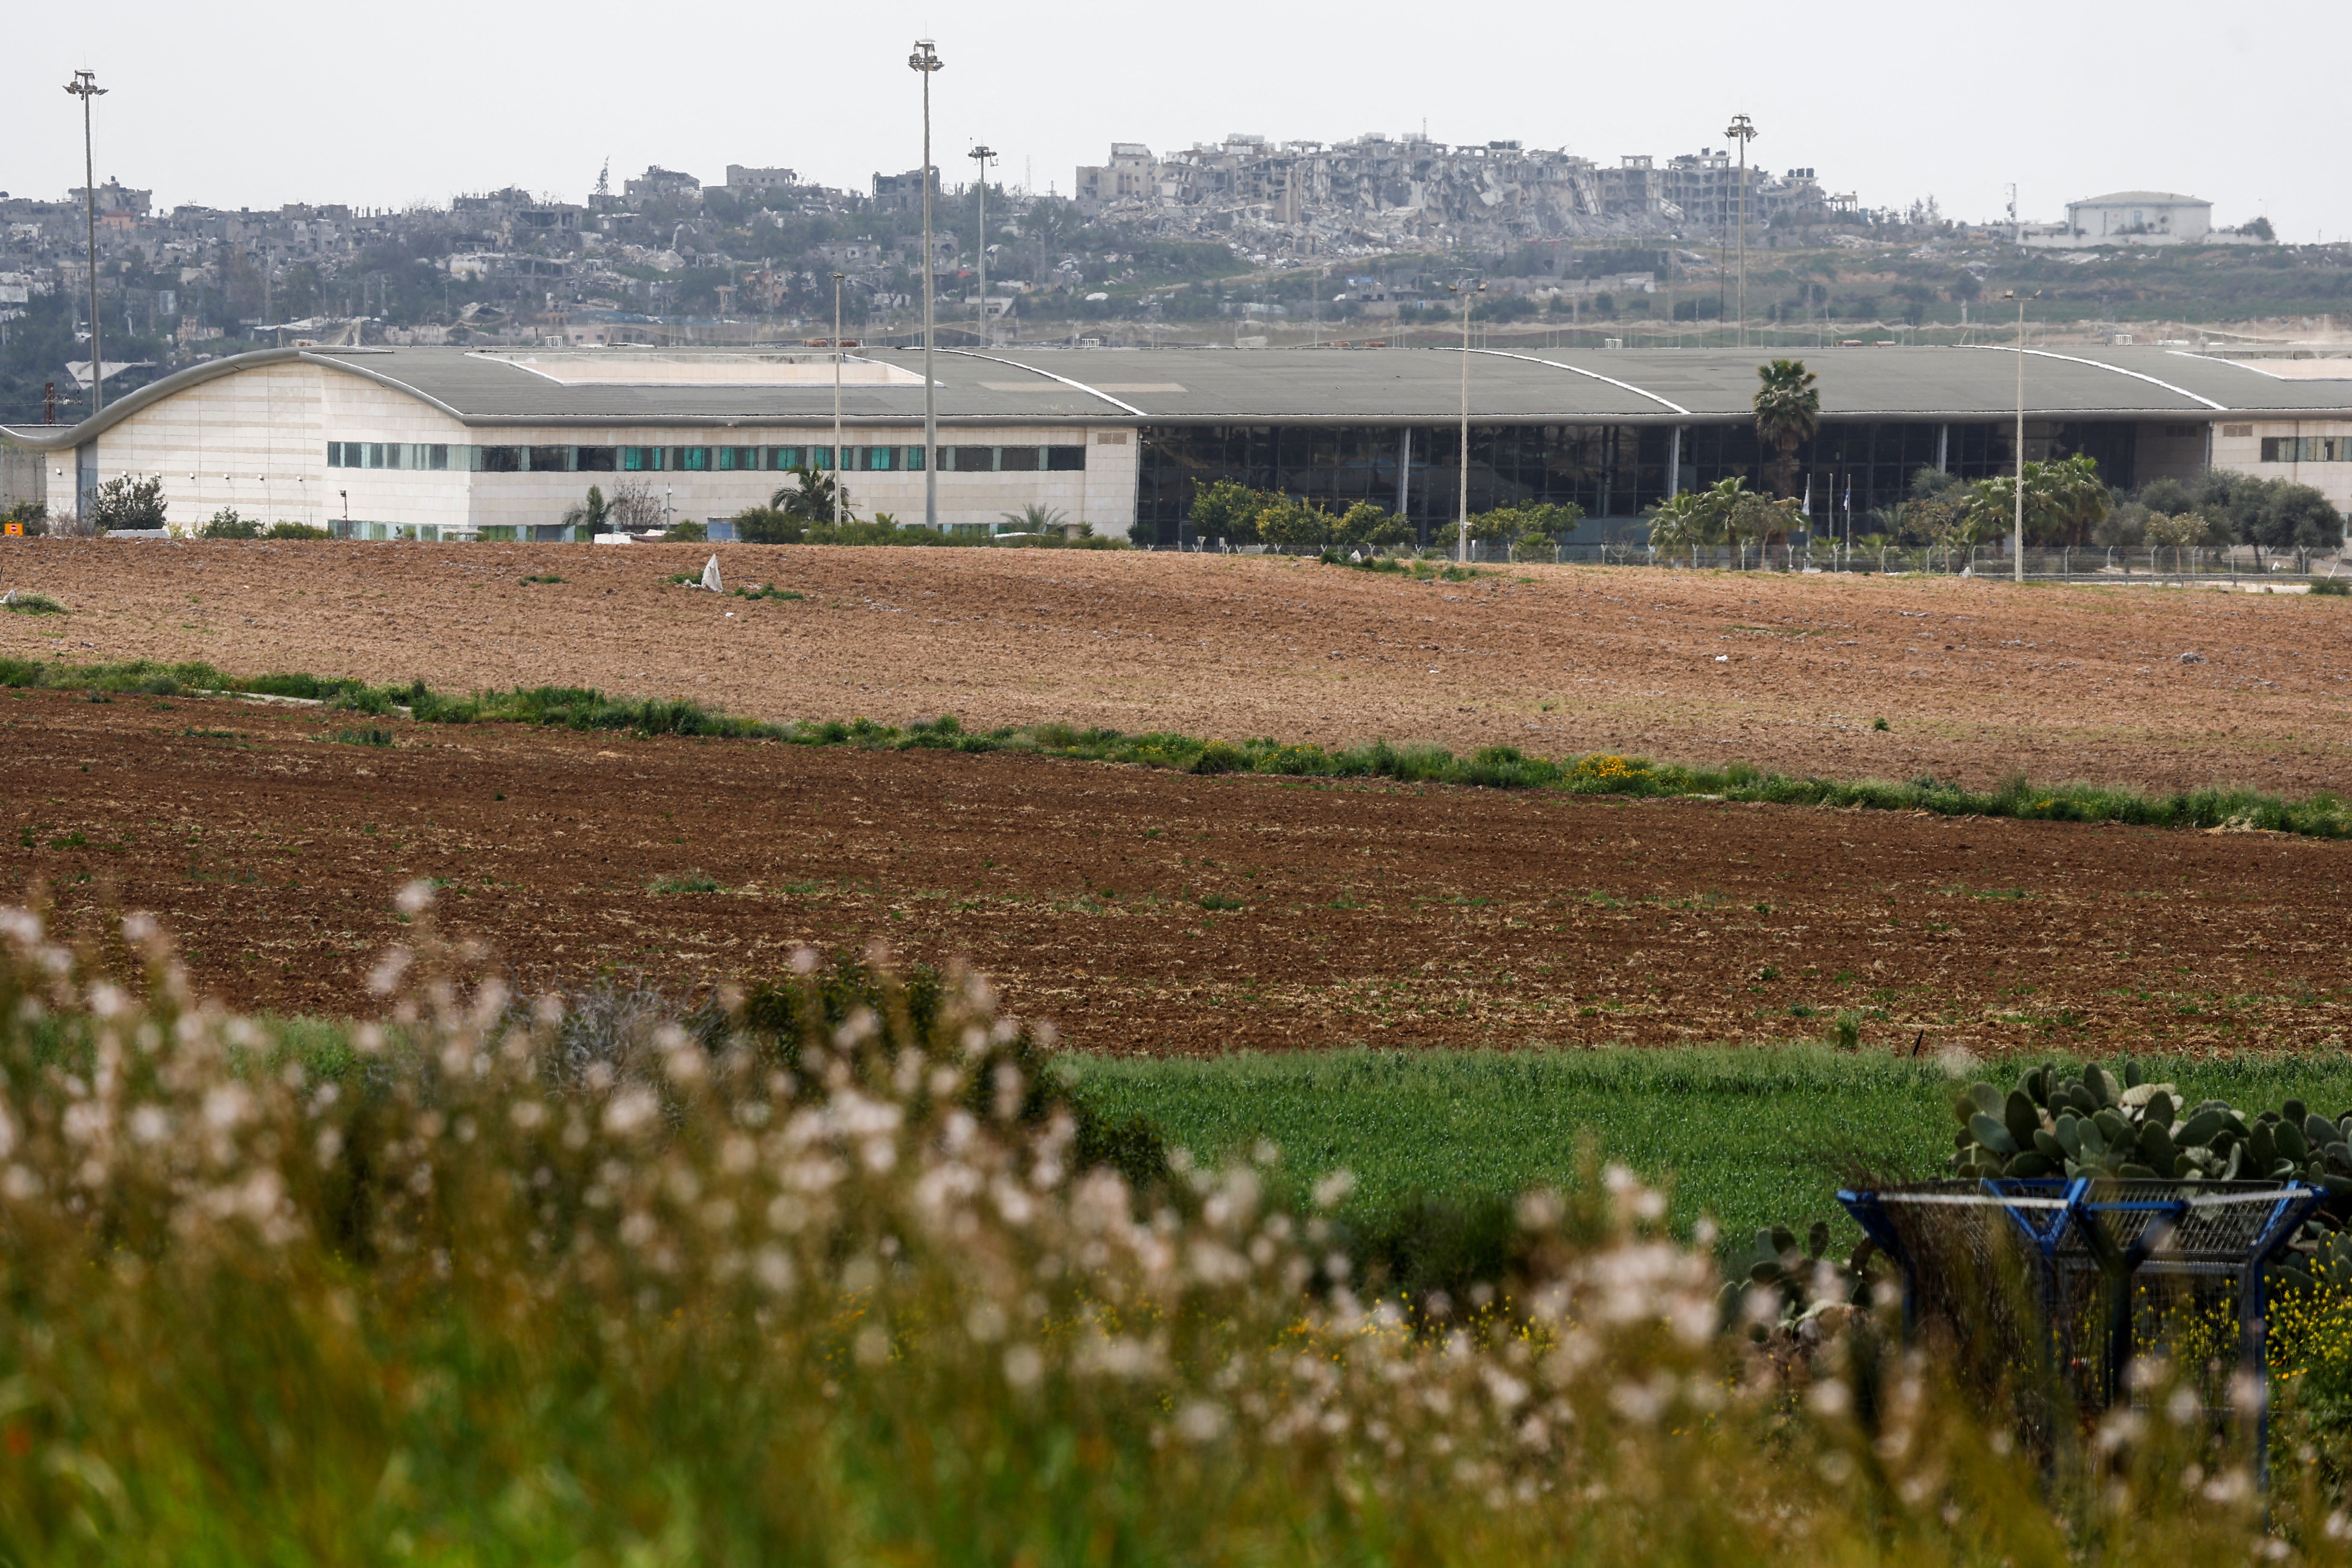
(2119, 1225)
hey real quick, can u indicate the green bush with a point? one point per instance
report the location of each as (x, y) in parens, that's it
(226, 524)
(129, 501)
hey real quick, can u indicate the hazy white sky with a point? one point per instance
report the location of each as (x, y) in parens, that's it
(271, 101)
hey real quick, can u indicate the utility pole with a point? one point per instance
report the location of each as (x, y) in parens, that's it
(836, 399)
(924, 61)
(2017, 533)
(85, 87)
(1462, 508)
(1742, 131)
(983, 154)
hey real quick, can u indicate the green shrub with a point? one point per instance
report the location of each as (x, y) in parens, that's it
(228, 524)
(687, 533)
(298, 530)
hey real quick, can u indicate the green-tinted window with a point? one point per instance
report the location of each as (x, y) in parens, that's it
(1065, 459)
(690, 459)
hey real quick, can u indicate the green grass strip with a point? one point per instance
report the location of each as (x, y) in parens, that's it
(1754, 1136)
(2320, 815)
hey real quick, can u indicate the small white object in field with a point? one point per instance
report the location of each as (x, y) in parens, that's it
(1722, 659)
(711, 575)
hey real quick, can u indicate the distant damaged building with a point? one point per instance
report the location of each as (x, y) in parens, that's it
(1384, 188)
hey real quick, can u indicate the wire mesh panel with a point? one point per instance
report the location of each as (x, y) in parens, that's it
(2073, 1277)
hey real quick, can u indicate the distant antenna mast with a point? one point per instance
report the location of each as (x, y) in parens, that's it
(2016, 234)
(604, 177)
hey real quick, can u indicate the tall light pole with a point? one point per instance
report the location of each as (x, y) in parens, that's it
(836, 399)
(1462, 508)
(924, 61)
(981, 154)
(2017, 528)
(1742, 131)
(85, 87)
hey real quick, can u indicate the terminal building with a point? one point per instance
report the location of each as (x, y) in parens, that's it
(451, 443)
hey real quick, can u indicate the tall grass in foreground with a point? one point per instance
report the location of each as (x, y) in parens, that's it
(2319, 815)
(789, 1288)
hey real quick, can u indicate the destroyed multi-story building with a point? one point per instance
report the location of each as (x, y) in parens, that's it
(1391, 187)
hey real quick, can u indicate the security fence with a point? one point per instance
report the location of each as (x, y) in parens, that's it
(2090, 563)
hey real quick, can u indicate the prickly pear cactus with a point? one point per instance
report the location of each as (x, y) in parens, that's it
(2096, 1125)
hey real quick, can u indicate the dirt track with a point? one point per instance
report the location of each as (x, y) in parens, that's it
(1361, 914)
(1977, 678)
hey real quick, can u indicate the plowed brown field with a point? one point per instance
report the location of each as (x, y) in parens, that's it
(1343, 913)
(1977, 678)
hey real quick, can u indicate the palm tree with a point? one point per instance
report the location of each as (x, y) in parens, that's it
(813, 501)
(2083, 497)
(1787, 411)
(1037, 518)
(593, 515)
(1679, 526)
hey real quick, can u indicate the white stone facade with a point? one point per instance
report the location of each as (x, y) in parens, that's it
(256, 441)
(2240, 446)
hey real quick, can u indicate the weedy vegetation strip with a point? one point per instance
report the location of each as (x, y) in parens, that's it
(796, 1278)
(2320, 815)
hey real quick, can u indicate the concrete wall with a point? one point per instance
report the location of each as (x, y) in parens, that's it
(2170, 451)
(23, 476)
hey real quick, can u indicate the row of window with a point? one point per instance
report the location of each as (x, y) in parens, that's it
(2307, 449)
(439, 457)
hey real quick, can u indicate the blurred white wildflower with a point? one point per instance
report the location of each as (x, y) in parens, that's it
(630, 1111)
(1024, 1367)
(1334, 1189)
(1200, 1422)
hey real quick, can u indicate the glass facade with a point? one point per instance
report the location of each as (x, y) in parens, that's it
(663, 459)
(1011, 460)
(2307, 449)
(1611, 471)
